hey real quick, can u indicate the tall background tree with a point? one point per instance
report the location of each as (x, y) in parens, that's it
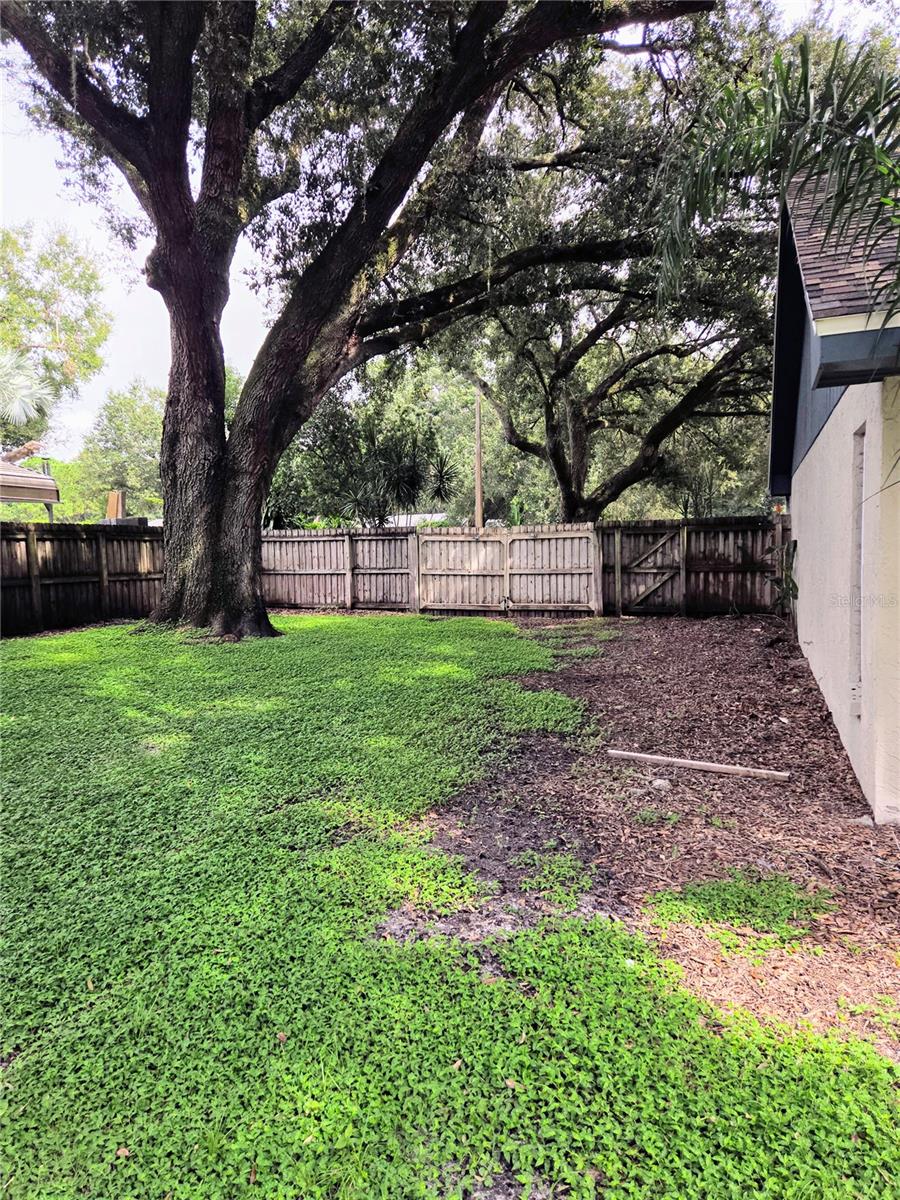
(414, 401)
(361, 463)
(333, 136)
(121, 451)
(595, 384)
(52, 328)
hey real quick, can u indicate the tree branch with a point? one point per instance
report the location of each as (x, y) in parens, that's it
(558, 158)
(437, 189)
(652, 47)
(124, 133)
(270, 91)
(676, 350)
(510, 432)
(576, 353)
(225, 146)
(618, 422)
(647, 458)
(737, 412)
(553, 21)
(450, 295)
(172, 32)
(416, 333)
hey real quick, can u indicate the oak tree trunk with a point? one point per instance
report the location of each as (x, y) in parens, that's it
(212, 527)
(212, 500)
(191, 472)
(236, 607)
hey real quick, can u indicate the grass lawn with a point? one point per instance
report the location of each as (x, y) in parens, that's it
(199, 843)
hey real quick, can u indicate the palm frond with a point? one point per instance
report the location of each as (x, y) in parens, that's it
(22, 394)
(443, 477)
(839, 136)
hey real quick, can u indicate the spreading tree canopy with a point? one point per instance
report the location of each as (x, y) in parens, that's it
(336, 136)
(356, 145)
(587, 373)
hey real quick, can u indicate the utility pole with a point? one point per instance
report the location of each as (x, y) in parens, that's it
(479, 489)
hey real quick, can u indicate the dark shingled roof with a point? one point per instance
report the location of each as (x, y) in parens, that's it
(839, 281)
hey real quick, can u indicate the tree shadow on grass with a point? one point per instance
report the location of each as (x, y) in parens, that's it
(199, 1001)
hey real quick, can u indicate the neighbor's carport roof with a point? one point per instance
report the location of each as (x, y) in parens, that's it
(19, 484)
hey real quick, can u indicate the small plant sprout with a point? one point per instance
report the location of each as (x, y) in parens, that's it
(559, 878)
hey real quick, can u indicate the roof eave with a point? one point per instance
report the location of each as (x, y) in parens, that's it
(864, 357)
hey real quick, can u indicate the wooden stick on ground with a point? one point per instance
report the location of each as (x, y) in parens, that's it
(693, 765)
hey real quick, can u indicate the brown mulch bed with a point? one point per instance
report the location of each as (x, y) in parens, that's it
(732, 690)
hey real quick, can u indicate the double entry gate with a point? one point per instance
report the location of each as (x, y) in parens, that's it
(526, 568)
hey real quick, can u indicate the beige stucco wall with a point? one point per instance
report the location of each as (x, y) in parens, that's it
(823, 512)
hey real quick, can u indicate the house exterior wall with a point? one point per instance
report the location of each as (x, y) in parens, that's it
(848, 577)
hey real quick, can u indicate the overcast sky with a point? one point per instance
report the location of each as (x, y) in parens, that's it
(32, 190)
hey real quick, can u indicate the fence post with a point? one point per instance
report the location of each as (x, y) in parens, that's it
(597, 572)
(348, 570)
(102, 572)
(34, 574)
(618, 567)
(505, 543)
(415, 603)
(779, 561)
(682, 567)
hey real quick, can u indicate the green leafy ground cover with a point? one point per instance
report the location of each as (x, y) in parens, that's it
(884, 1011)
(575, 639)
(558, 877)
(199, 842)
(747, 913)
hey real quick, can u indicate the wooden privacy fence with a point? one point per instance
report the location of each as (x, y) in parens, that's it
(718, 564)
(56, 576)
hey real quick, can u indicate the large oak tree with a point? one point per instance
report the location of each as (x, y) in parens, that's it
(593, 384)
(334, 133)
(591, 377)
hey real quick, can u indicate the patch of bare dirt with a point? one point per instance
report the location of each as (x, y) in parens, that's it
(843, 986)
(507, 1187)
(503, 1186)
(732, 690)
(497, 916)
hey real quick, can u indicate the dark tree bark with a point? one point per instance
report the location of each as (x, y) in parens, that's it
(192, 471)
(214, 486)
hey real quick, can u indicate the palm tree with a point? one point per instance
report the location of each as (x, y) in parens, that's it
(22, 394)
(836, 134)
